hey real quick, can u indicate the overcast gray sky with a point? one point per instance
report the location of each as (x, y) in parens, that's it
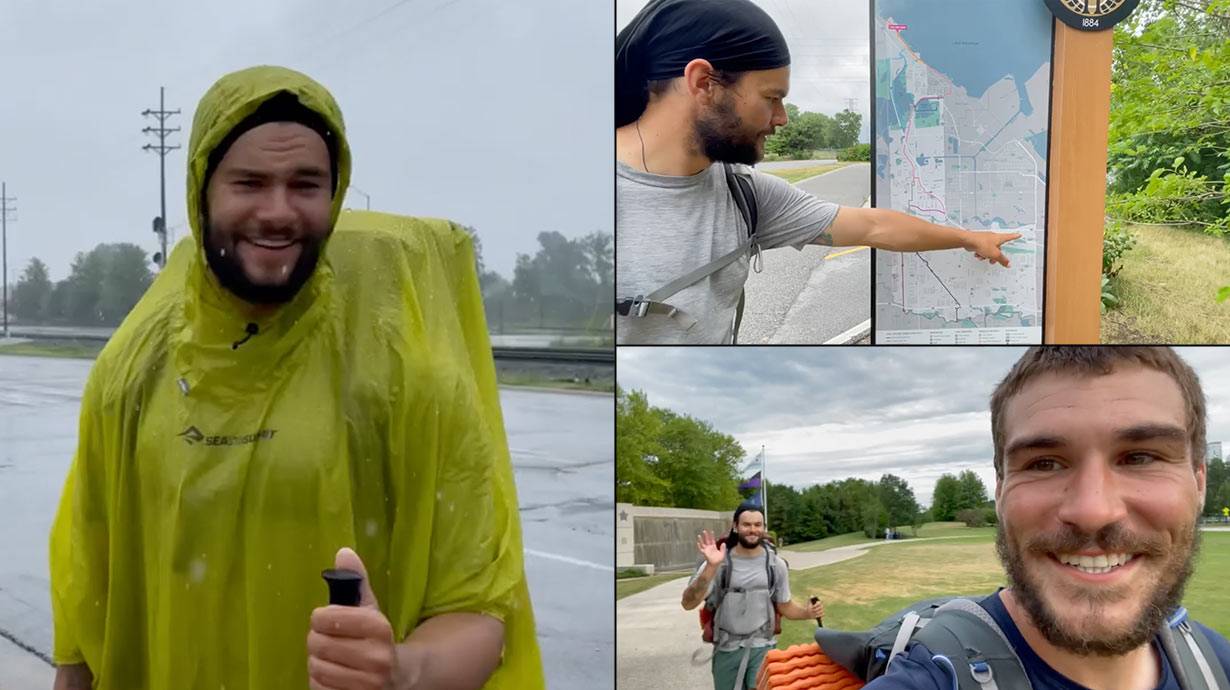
(829, 51)
(825, 414)
(495, 114)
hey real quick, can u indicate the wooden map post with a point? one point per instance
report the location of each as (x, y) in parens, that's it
(1076, 203)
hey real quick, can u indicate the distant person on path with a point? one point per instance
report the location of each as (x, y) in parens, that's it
(1100, 482)
(299, 389)
(699, 84)
(746, 587)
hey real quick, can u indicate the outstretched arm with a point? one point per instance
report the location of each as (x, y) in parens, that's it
(899, 232)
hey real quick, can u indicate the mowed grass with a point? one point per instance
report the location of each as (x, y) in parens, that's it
(1168, 287)
(861, 592)
(930, 529)
(1207, 597)
(793, 175)
(627, 586)
(73, 349)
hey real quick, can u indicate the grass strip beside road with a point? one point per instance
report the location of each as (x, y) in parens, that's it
(1167, 289)
(627, 586)
(72, 349)
(793, 175)
(88, 349)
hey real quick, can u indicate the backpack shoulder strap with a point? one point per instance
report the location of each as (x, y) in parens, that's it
(721, 582)
(981, 656)
(744, 193)
(1192, 658)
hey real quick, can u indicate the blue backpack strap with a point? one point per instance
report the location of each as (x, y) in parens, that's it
(965, 634)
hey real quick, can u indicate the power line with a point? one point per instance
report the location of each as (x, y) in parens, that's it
(160, 223)
(4, 247)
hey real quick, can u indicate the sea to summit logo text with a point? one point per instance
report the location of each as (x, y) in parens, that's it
(193, 436)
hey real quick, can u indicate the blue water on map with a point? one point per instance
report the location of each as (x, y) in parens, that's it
(976, 44)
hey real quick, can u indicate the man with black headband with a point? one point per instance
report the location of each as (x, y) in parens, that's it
(300, 389)
(746, 587)
(1100, 482)
(699, 85)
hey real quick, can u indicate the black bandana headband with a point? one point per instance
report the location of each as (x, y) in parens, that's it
(733, 35)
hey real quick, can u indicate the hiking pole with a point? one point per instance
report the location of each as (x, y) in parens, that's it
(343, 586)
(820, 620)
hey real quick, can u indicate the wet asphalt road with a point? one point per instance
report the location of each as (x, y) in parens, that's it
(562, 447)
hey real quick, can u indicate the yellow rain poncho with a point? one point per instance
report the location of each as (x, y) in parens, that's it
(212, 484)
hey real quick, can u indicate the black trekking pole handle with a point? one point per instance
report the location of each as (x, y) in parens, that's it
(343, 586)
(819, 621)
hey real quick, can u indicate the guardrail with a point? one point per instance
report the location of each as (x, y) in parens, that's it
(524, 354)
(549, 354)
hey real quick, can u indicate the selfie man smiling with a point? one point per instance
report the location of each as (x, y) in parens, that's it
(1100, 482)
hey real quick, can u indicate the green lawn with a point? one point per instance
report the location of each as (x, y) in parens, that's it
(627, 586)
(793, 175)
(1167, 289)
(860, 592)
(931, 529)
(1207, 597)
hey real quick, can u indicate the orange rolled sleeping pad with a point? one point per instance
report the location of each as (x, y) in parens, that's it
(804, 667)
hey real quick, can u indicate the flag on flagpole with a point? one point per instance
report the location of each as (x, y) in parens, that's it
(756, 463)
(752, 482)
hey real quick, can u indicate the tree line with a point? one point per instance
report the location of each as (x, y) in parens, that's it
(663, 458)
(102, 286)
(1217, 488)
(805, 132)
(566, 284)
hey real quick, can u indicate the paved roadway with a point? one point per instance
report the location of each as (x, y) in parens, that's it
(820, 293)
(562, 446)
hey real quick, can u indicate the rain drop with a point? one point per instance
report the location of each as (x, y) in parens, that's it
(222, 251)
(371, 528)
(196, 570)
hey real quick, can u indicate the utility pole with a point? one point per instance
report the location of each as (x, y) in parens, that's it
(4, 248)
(365, 195)
(160, 223)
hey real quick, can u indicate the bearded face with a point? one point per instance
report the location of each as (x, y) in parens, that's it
(1098, 507)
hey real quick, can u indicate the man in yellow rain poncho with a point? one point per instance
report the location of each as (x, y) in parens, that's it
(296, 381)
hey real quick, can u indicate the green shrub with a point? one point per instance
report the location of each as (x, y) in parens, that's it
(858, 152)
(1117, 240)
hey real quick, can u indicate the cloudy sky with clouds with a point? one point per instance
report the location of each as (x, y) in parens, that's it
(495, 114)
(829, 51)
(824, 414)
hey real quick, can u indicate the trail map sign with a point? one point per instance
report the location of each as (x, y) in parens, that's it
(960, 137)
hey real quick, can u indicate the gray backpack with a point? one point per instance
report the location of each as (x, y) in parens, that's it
(744, 194)
(982, 658)
(735, 612)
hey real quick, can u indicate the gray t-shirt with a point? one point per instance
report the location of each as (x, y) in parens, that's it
(666, 226)
(748, 572)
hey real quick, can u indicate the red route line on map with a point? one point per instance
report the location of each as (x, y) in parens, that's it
(910, 125)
